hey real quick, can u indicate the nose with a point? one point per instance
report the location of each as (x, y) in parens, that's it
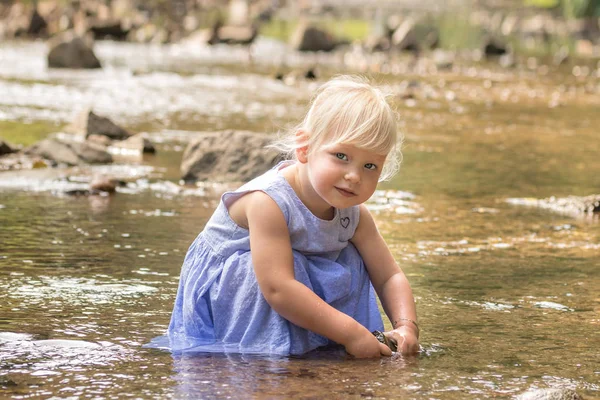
(352, 176)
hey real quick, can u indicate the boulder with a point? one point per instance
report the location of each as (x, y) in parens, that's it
(201, 37)
(87, 123)
(228, 156)
(310, 38)
(405, 37)
(236, 34)
(375, 43)
(99, 139)
(37, 24)
(219, 33)
(137, 144)
(72, 51)
(5, 148)
(69, 153)
(493, 48)
(104, 184)
(109, 29)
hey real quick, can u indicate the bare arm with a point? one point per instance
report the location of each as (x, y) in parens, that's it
(389, 281)
(274, 267)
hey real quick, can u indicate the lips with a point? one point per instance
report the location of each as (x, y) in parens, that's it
(345, 192)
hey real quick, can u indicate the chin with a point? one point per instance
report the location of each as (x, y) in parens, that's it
(344, 204)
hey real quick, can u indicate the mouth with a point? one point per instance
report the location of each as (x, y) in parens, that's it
(345, 192)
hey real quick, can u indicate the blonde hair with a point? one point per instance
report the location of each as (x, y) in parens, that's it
(348, 110)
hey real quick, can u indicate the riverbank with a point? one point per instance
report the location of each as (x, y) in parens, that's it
(525, 29)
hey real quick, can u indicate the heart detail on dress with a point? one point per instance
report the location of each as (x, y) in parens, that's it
(345, 222)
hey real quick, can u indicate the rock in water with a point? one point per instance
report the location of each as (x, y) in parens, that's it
(5, 148)
(227, 156)
(69, 153)
(311, 38)
(88, 123)
(72, 52)
(104, 184)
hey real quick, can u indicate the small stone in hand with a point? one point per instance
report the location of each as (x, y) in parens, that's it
(391, 343)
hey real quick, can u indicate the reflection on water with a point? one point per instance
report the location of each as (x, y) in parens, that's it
(507, 295)
(324, 375)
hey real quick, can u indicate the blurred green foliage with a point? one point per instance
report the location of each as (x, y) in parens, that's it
(570, 8)
(581, 8)
(456, 32)
(278, 29)
(21, 133)
(542, 3)
(351, 29)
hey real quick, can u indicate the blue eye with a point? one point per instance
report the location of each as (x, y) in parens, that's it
(371, 166)
(341, 156)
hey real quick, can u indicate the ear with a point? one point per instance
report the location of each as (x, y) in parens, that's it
(302, 152)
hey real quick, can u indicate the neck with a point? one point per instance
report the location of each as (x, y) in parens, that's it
(297, 177)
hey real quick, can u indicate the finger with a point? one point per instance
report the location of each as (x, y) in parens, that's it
(384, 350)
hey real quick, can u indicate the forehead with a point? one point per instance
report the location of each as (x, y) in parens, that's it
(354, 151)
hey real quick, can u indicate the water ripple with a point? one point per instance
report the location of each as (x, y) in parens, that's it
(127, 96)
(53, 356)
(75, 291)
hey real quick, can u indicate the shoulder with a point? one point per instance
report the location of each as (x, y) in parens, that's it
(255, 205)
(366, 225)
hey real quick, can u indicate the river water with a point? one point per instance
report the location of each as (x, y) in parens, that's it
(508, 296)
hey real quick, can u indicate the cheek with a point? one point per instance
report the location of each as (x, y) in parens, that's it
(372, 185)
(324, 175)
(323, 167)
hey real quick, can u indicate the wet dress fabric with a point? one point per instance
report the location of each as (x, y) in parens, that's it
(219, 306)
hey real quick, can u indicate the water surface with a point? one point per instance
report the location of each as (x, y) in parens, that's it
(508, 296)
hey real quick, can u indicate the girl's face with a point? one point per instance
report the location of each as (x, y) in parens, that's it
(344, 175)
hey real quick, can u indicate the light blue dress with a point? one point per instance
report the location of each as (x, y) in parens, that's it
(219, 305)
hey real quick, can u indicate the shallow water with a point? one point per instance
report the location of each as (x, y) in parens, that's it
(507, 295)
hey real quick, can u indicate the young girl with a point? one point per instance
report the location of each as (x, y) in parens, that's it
(288, 262)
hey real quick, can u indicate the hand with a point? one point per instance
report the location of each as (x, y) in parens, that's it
(366, 345)
(406, 338)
